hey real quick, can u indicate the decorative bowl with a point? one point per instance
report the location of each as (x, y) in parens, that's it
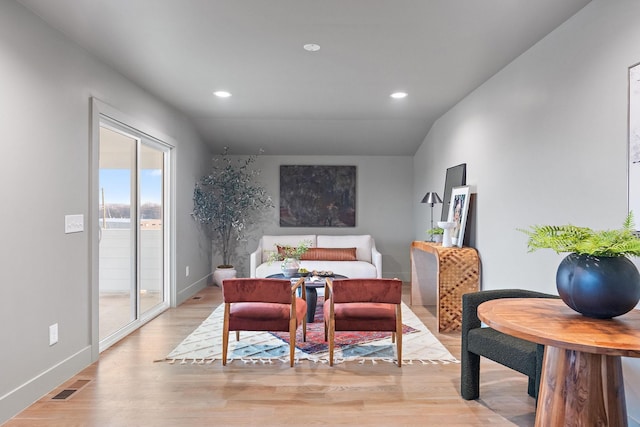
(289, 272)
(323, 273)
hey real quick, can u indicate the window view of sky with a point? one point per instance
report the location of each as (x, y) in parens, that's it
(117, 186)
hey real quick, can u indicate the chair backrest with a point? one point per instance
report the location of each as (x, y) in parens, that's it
(256, 290)
(472, 300)
(387, 291)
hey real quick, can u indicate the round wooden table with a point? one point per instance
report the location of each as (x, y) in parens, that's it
(581, 381)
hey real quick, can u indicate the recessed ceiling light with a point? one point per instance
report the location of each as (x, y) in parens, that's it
(399, 95)
(222, 94)
(311, 47)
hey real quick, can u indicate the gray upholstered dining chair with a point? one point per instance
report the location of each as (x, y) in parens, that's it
(515, 353)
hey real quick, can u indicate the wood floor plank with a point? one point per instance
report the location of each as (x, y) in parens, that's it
(127, 388)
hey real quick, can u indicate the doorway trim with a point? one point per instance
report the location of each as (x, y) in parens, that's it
(100, 109)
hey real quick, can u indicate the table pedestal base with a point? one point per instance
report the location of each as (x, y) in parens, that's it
(312, 301)
(581, 389)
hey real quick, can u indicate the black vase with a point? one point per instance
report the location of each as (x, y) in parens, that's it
(600, 287)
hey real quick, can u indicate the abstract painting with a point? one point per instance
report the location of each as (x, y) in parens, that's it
(317, 196)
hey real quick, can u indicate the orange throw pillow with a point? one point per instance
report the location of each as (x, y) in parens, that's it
(282, 250)
(330, 254)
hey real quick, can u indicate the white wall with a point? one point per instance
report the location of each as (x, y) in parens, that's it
(46, 84)
(545, 142)
(383, 207)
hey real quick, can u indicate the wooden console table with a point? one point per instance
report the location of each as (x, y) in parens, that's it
(582, 382)
(440, 276)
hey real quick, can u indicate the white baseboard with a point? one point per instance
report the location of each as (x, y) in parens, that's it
(193, 288)
(404, 276)
(26, 394)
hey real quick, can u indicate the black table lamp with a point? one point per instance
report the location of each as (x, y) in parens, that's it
(432, 198)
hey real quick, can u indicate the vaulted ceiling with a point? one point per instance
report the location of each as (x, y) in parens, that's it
(287, 100)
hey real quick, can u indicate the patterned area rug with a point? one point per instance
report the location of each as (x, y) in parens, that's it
(204, 345)
(315, 342)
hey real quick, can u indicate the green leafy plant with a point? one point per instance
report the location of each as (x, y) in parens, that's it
(289, 251)
(228, 200)
(585, 241)
(435, 230)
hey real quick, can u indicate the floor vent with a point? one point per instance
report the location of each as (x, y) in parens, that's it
(196, 297)
(68, 392)
(64, 394)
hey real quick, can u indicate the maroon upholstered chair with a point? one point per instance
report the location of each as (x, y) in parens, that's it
(263, 305)
(363, 305)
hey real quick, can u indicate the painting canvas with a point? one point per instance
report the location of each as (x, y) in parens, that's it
(458, 210)
(317, 196)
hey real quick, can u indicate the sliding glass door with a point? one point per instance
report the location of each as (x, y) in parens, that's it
(132, 253)
(151, 228)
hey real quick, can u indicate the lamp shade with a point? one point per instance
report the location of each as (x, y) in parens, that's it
(431, 198)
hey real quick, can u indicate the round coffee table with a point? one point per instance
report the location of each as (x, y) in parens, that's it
(311, 289)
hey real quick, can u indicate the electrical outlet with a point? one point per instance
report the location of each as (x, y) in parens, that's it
(186, 272)
(73, 223)
(53, 334)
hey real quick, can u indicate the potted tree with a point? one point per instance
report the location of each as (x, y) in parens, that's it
(226, 202)
(596, 279)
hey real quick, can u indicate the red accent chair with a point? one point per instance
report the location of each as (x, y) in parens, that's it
(263, 305)
(363, 305)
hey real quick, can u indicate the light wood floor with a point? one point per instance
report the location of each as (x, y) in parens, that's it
(127, 388)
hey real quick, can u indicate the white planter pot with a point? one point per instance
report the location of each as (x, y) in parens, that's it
(446, 236)
(223, 273)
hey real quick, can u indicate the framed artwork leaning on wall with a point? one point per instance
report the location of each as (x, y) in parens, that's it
(634, 142)
(458, 211)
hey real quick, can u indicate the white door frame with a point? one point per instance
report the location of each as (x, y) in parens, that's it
(100, 109)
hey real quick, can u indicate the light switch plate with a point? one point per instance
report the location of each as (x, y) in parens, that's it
(73, 223)
(53, 334)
